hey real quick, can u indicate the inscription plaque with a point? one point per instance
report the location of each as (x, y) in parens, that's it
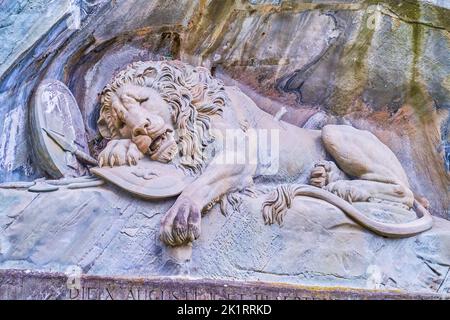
(15, 284)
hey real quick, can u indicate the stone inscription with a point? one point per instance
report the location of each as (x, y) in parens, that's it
(153, 293)
(23, 284)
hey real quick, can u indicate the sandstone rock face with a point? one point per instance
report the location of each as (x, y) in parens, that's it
(107, 232)
(381, 66)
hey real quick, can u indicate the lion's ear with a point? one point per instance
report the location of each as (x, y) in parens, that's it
(149, 72)
(103, 127)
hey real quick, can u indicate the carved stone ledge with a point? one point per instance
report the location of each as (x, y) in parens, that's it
(19, 284)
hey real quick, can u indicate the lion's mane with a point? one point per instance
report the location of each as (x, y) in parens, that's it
(193, 94)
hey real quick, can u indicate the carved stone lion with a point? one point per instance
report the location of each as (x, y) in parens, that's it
(172, 112)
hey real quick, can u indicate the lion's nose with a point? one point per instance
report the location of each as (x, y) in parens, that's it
(141, 130)
(138, 132)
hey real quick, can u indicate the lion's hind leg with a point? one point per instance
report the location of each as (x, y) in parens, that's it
(371, 191)
(361, 155)
(375, 170)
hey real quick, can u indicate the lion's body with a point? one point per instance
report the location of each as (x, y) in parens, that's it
(348, 162)
(358, 153)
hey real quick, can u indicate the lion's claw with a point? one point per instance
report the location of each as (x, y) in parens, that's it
(319, 176)
(323, 173)
(119, 153)
(100, 162)
(133, 154)
(181, 224)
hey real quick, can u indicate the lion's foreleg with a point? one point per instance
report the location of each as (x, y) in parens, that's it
(208, 190)
(182, 223)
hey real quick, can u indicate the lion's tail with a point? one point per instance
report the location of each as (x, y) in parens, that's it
(280, 201)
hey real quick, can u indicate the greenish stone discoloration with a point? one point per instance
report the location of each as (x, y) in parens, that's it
(417, 95)
(416, 11)
(352, 72)
(211, 15)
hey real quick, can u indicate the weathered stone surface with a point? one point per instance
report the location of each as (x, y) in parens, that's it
(22, 23)
(107, 232)
(30, 32)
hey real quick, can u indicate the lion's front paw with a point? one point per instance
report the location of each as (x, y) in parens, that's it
(319, 174)
(181, 224)
(119, 153)
(325, 172)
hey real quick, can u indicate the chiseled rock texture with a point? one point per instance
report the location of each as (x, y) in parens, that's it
(109, 233)
(378, 65)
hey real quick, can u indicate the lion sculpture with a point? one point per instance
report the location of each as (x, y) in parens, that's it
(169, 111)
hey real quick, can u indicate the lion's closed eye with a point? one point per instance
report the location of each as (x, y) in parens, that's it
(130, 98)
(142, 100)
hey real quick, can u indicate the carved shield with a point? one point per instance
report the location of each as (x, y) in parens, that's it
(54, 108)
(148, 179)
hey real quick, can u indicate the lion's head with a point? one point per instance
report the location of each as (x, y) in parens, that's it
(164, 107)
